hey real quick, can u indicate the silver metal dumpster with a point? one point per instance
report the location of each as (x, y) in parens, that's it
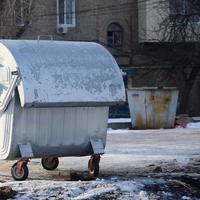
(152, 107)
(54, 101)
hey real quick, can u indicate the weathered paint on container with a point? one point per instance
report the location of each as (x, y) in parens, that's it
(59, 97)
(152, 108)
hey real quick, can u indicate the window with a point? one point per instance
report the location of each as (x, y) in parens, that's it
(114, 35)
(181, 10)
(66, 13)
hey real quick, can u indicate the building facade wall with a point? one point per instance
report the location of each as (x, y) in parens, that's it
(92, 20)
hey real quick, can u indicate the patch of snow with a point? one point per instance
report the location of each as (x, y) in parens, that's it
(193, 125)
(118, 131)
(150, 181)
(128, 186)
(143, 196)
(119, 120)
(196, 118)
(185, 198)
(114, 178)
(183, 161)
(76, 191)
(167, 194)
(94, 193)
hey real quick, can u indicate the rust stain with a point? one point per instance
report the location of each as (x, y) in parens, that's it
(149, 122)
(162, 103)
(161, 108)
(139, 121)
(157, 103)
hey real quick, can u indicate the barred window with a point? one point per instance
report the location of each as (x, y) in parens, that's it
(114, 35)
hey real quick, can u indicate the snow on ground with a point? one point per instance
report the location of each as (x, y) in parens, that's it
(118, 131)
(152, 145)
(138, 189)
(74, 190)
(193, 125)
(130, 149)
(119, 120)
(129, 154)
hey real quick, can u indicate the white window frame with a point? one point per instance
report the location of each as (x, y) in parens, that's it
(65, 25)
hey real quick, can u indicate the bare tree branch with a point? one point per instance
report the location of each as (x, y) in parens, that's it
(15, 17)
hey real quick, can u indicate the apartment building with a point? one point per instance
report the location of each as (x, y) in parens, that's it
(111, 23)
(155, 42)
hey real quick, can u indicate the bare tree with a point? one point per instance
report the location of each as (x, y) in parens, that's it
(178, 41)
(179, 23)
(15, 17)
(181, 30)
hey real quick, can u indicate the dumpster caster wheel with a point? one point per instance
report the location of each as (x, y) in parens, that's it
(93, 166)
(19, 171)
(50, 163)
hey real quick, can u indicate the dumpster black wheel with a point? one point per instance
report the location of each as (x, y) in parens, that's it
(93, 166)
(50, 163)
(22, 175)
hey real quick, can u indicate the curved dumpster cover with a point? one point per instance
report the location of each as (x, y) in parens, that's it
(63, 73)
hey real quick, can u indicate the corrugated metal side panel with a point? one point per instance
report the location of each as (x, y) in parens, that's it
(5, 77)
(149, 110)
(59, 131)
(136, 100)
(6, 128)
(172, 107)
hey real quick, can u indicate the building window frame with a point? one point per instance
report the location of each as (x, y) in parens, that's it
(66, 24)
(114, 35)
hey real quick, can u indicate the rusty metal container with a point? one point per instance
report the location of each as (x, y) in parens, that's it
(152, 107)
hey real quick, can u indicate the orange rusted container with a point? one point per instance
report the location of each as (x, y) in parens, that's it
(152, 107)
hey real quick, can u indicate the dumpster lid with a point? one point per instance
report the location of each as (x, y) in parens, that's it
(58, 73)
